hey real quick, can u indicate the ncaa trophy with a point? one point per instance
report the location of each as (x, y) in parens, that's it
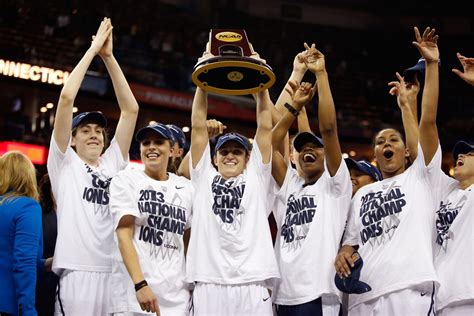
(227, 66)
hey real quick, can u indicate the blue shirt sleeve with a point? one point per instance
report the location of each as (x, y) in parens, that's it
(28, 236)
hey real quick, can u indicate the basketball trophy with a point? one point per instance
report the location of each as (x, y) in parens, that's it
(230, 67)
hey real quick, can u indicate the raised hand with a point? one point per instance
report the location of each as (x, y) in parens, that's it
(301, 94)
(206, 54)
(399, 89)
(468, 68)
(298, 63)
(107, 48)
(314, 59)
(256, 56)
(214, 127)
(413, 88)
(103, 33)
(427, 44)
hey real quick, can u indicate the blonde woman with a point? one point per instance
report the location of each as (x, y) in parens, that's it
(21, 241)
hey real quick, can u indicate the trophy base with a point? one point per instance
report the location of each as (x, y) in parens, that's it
(233, 75)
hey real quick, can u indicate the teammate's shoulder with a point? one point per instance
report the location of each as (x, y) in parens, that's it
(128, 174)
(180, 179)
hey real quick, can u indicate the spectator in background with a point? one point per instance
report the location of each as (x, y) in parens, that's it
(47, 283)
(21, 242)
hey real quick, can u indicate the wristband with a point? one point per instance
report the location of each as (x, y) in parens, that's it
(292, 110)
(140, 285)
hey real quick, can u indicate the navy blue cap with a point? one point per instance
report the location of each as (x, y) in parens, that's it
(241, 139)
(160, 129)
(351, 284)
(462, 147)
(95, 116)
(306, 137)
(420, 67)
(178, 135)
(365, 167)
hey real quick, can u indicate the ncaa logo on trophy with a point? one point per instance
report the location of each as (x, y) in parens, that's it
(231, 66)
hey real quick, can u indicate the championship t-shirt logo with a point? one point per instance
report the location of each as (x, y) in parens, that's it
(298, 218)
(379, 214)
(98, 192)
(445, 216)
(165, 222)
(227, 197)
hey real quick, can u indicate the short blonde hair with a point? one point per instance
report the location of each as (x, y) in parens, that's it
(17, 176)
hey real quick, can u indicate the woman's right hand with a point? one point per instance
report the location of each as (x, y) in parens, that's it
(147, 300)
(101, 36)
(344, 261)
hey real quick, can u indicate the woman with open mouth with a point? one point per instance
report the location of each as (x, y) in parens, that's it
(390, 221)
(453, 249)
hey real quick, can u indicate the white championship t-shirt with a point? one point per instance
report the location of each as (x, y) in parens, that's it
(85, 232)
(162, 211)
(454, 240)
(311, 220)
(231, 241)
(391, 221)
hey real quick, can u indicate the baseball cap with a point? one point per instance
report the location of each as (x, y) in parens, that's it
(178, 135)
(462, 147)
(351, 284)
(241, 139)
(160, 129)
(306, 137)
(420, 67)
(365, 167)
(95, 116)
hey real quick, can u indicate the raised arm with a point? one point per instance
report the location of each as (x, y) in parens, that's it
(63, 118)
(428, 48)
(468, 68)
(199, 136)
(303, 122)
(297, 74)
(214, 128)
(410, 125)
(301, 95)
(413, 88)
(126, 101)
(263, 135)
(326, 110)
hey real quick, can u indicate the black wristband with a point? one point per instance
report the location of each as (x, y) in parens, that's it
(140, 285)
(292, 110)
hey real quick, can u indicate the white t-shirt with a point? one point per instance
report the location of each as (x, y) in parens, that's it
(391, 221)
(162, 211)
(231, 241)
(85, 233)
(454, 240)
(310, 221)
